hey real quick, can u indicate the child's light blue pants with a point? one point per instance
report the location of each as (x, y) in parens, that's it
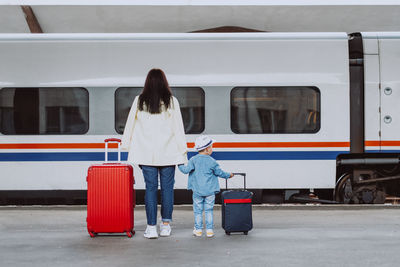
(201, 203)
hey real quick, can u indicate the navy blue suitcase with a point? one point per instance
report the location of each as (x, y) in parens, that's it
(236, 209)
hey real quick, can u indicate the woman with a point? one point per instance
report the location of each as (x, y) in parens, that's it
(155, 138)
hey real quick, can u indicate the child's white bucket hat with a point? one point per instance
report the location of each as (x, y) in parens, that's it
(202, 142)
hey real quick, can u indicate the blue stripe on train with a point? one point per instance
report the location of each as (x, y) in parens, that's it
(218, 155)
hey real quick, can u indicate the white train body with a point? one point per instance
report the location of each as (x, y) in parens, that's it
(217, 63)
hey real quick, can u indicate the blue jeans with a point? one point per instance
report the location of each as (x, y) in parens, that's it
(167, 180)
(201, 203)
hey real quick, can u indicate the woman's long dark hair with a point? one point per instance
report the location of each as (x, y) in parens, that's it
(156, 92)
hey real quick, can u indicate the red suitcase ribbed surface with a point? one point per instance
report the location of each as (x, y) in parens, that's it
(111, 199)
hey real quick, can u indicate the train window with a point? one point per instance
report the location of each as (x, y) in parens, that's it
(257, 110)
(44, 111)
(124, 97)
(191, 101)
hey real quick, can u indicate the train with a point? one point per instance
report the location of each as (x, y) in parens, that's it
(297, 112)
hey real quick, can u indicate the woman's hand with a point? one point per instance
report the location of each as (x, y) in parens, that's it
(231, 175)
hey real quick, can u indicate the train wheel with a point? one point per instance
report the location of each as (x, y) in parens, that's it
(343, 189)
(347, 193)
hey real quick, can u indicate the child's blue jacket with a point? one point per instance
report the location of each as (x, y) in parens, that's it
(203, 174)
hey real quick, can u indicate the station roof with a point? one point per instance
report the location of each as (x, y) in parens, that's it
(140, 16)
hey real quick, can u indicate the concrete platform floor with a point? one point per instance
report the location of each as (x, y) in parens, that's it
(282, 236)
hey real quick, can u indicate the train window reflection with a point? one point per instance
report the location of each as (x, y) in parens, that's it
(191, 101)
(256, 110)
(44, 111)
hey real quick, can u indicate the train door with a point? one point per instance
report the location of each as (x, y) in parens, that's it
(371, 93)
(389, 59)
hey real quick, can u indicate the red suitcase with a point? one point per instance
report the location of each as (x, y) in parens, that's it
(110, 196)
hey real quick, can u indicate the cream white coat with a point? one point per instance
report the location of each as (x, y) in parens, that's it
(155, 139)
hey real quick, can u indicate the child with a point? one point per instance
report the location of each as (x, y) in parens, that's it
(203, 181)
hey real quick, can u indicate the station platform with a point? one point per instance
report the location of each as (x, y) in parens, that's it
(283, 235)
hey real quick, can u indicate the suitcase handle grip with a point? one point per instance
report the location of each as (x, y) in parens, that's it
(240, 174)
(112, 140)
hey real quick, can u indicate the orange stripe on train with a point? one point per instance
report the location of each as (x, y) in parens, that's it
(191, 145)
(382, 143)
(280, 144)
(56, 146)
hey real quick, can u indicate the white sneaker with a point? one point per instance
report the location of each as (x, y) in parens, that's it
(165, 229)
(151, 232)
(210, 233)
(197, 232)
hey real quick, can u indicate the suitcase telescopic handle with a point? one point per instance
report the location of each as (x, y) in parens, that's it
(240, 174)
(112, 140)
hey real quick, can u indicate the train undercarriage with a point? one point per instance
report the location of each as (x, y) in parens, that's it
(367, 178)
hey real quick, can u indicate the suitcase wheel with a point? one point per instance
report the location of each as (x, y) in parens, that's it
(245, 232)
(129, 234)
(92, 234)
(228, 233)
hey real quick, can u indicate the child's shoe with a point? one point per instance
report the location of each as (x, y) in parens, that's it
(165, 229)
(151, 232)
(210, 233)
(197, 232)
